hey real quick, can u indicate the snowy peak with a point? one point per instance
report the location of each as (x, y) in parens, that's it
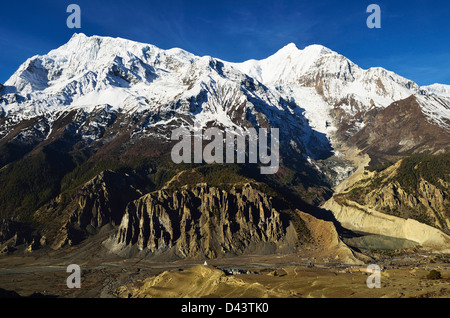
(76, 38)
(337, 80)
(291, 51)
(438, 89)
(95, 70)
(82, 56)
(98, 44)
(318, 50)
(311, 52)
(289, 48)
(286, 65)
(99, 62)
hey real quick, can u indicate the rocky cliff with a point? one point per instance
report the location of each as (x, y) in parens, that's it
(416, 187)
(82, 212)
(428, 205)
(204, 221)
(408, 199)
(360, 218)
(402, 129)
(186, 218)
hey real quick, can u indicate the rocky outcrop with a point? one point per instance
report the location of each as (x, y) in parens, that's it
(430, 201)
(84, 211)
(182, 221)
(356, 217)
(415, 187)
(327, 239)
(202, 221)
(101, 200)
(406, 200)
(402, 128)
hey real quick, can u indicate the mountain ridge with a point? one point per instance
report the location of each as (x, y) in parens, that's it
(131, 76)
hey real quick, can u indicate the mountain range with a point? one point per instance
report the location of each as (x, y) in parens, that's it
(85, 144)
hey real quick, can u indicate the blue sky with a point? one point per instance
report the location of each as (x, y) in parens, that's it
(414, 39)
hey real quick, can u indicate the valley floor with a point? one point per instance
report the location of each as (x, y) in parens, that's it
(272, 276)
(301, 275)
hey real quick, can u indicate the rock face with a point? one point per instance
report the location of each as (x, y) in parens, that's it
(402, 129)
(430, 200)
(408, 200)
(361, 218)
(331, 246)
(203, 221)
(192, 220)
(99, 202)
(416, 187)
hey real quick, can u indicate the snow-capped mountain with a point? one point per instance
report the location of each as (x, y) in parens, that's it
(132, 78)
(129, 76)
(438, 89)
(311, 94)
(331, 78)
(93, 71)
(338, 77)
